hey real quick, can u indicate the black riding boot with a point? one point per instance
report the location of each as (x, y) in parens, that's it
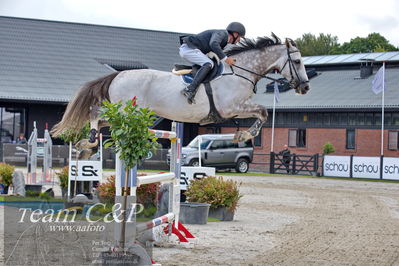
(191, 89)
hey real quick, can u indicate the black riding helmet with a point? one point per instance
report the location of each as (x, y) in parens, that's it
(236, 27)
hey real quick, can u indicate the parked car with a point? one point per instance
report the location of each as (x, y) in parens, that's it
(219, 151)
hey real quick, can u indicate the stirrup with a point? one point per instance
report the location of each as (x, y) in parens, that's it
(189, 95)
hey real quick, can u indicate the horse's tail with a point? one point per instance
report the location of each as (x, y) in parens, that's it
(78, 110)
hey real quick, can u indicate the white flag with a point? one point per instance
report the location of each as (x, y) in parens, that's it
(276, 92)
(378, 81)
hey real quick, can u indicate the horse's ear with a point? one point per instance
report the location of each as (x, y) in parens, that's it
(287, 43)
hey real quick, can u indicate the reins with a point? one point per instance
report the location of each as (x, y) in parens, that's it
(291, 68)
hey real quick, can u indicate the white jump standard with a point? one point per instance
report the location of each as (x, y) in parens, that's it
(172, 178)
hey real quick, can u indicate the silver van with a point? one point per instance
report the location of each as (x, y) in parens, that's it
(219, 151)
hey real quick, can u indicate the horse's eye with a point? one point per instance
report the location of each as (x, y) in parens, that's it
(297, 61)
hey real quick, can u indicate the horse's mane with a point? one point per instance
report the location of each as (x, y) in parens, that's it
(251, 44)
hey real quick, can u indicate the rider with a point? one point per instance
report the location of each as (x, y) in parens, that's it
(195, 47)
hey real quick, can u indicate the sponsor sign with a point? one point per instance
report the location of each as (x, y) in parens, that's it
(366, 167)
(190, 173)
(390, 168)
(88, 171)
(336, 166)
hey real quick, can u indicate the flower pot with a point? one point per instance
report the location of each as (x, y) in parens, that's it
(34, 188)
(64, 192)
(194, 212)
(222, 213)
(3, 189)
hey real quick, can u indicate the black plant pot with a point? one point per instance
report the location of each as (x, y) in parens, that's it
(222, 213)
(194, 212)
(64, 192)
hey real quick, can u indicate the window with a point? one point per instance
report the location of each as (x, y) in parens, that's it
(352, 119)
(343, 119)
(258, 139)
(360, 119)
(219, 144)
(213, 130)
(231, 145)
(377, 119)
(350, 139)
(12, 123)
(305, 118)
(247, 144)
(288, 118)
(297, 138)
(326, 119)
(319, 118)
(395, 119)
(279, 119)
(387, 119)
(334, 119)
(393, 140)
(368, 118)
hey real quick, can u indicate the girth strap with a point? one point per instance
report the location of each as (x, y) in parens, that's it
(213, 116)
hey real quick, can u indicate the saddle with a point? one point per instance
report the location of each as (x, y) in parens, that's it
(188, 72)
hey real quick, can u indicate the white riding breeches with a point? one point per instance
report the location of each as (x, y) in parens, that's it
(194, 56)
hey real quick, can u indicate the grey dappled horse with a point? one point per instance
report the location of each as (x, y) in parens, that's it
(160, 91)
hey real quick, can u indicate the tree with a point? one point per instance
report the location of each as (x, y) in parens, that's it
(324, 44)
(374, 42)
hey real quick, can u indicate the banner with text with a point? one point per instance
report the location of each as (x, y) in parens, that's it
(88, 170)
(390, 168)
(366, 167)
(336, 166)
(362, 167)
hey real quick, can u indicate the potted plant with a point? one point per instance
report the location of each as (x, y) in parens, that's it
(6, 171)
(106, 191)
(223, 196)
(328, 148)
(63, 177)
(146, 195)
(130, 138)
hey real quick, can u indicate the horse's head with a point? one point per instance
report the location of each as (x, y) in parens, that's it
(293, 69)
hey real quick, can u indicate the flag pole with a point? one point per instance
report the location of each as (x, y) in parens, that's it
(382, 108)
(274, 114)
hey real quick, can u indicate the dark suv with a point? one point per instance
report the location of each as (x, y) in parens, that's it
(219, 151)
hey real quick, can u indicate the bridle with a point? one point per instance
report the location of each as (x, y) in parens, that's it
(288, 62)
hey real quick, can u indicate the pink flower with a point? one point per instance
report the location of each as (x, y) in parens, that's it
(134, 101)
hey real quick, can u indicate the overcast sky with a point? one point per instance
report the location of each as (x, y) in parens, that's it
(286, 18)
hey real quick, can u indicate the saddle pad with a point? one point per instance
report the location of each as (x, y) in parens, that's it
(215, 74)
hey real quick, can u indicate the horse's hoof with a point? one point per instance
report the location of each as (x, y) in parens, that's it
(85, 154)
(237, 137)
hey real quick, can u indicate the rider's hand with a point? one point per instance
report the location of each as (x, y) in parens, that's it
(229, 60)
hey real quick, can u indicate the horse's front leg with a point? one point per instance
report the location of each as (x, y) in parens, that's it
(251, 110)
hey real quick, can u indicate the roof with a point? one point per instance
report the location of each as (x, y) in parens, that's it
(48, 60)
(217, 136)
(337, 89)
(351, 58)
